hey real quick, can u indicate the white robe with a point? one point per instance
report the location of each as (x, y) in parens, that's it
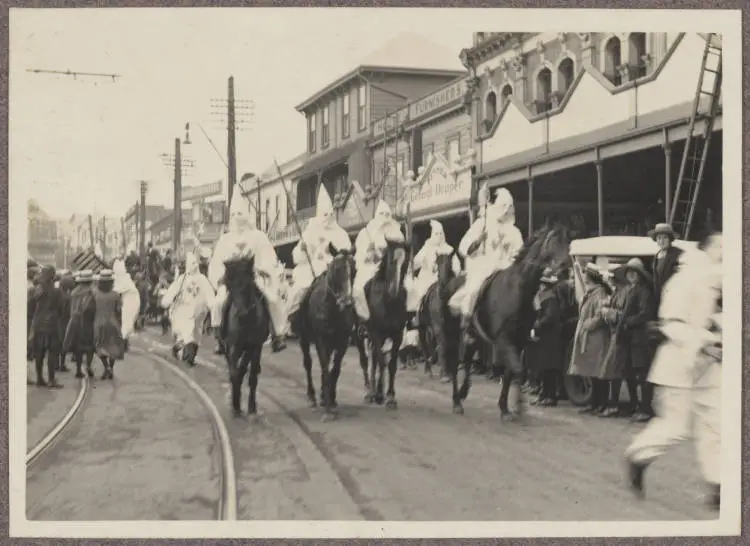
(131, 299)
(688, 394)
(425, 263)
(317, 238)
(255, 243)
(497, 252)
(188, 299)
(370, 247)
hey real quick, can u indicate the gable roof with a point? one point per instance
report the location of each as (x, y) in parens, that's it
(407, 53)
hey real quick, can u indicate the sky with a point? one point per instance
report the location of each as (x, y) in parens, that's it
(80, 145)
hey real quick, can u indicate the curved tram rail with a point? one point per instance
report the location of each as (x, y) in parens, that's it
(227, 506)
(53, 435)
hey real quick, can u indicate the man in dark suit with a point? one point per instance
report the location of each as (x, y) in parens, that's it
(665, 262)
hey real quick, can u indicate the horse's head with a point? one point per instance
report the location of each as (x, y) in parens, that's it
(554, 248)
(239, 277)
(444, 263)
(341, 274)
(394, 266)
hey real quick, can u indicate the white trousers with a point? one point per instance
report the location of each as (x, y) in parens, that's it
(131, 303)
(274, 301)
(416, 291)
(680, 410)
(464, 299)
(362, 277)
(295, 295)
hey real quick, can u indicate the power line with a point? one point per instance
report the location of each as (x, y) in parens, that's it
(74, 74)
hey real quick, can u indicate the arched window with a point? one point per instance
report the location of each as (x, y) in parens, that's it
(565, 74)
(490, 109)
(506, 93)
(543, 90)
(637, 50)
(612, 60)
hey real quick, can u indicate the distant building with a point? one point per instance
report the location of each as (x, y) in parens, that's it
(44, 241)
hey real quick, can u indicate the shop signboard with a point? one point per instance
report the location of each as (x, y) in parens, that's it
(451, 94)
(438, 187)
(192, 193)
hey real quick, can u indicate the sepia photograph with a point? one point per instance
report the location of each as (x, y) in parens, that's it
(373, 272)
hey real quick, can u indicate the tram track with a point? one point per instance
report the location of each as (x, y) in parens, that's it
(58, 431)
(226, 509)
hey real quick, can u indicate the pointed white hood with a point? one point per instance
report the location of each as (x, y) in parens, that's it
(383, 211)
(503, 208)
(239, 215)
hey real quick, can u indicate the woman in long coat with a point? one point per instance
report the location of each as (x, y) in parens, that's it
(591, 339)
(67, 284)
(108, 340)
(631, 349)
(544, 354)
(79, 334)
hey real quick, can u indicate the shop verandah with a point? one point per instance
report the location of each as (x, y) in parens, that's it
(620, 195)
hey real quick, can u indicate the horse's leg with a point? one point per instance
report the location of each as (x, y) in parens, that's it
(377, 367)
(505, 352)
(392, 369)
(324, 357)
(338, 358)
(252, 380)
(307, 363)
(236, 376)
(363, 362)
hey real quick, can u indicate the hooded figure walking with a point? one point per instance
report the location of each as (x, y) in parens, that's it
(108, 341)
(188, 300)
(131, 299)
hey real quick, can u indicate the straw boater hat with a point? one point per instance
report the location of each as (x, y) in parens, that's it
(634, 264)
(663, 229)
(548, 277)
(106, 275)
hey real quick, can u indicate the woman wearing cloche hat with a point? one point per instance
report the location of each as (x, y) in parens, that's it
(666, 260)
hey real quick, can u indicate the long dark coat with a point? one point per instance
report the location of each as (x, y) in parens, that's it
(79, 334)
(108, 340)
(591, 339)
(46, 309)
(663, 268)
(630, 346)
(546, 353)
(613, 365)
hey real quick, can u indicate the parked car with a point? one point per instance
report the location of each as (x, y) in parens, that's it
(609, 252)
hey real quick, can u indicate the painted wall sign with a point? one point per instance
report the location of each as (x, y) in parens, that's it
(437, 100)
(438, 186)
(394, 120)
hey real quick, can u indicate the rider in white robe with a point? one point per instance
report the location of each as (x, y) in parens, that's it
(311, 255)
(188, 299)
(425, 264)
(244, 240)
(490, 245)
(131, 298)
(370, 247)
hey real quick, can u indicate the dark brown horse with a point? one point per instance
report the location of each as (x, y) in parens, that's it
(245, 327)
(504, 313)
(326, 318)
(386, 299)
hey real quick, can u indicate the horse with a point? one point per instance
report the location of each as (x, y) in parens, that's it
(245, 328)
(386, 299)
(438, 324)
(504, 312)
(326, 318)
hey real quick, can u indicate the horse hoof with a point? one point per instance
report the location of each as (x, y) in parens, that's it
(379, 400)
(369, 398)
(391, 404)
(312, 404)
(458, 410)
(237, 414)
(327, 417)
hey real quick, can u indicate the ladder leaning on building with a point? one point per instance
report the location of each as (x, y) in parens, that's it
(695, 154)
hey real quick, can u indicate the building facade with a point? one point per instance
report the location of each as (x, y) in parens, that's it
(205, 213)
(589, 127)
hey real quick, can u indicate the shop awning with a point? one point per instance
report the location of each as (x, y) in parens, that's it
(328, 159)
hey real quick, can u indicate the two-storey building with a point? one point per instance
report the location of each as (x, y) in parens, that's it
(422, 155)
(590, 127)
(339, 118)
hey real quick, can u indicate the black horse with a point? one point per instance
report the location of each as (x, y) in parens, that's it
(441, 329)
(326, 318)
(386, 299)
(245, 325)
(504, 312)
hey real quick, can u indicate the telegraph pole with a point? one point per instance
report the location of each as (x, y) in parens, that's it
(91, 233)
(177, 216)
(137, 228)
(142, 222)
(231, 148)
(104, 237)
